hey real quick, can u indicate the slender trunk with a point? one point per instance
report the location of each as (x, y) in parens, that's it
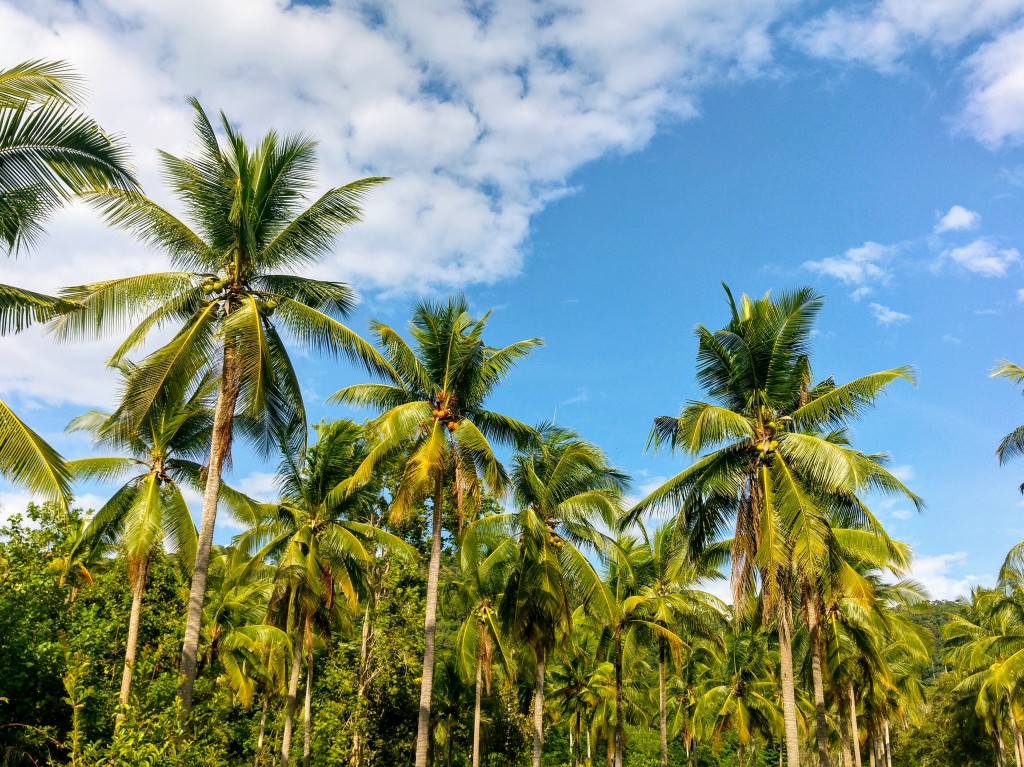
(476, 705)
(785, 621)
(853, 724)
(814, 630)
(1000, 748)
(739, 755)
(220, 445)
(1018, 753)
(620, 730)
(888, 750)
(364, 673)
(289, 709)
(429, 627)
(138, 569)
(871, 751)
(662, 703)
(263, 730)
(307, 705)
(538, 709)
(844, 731)
(590, 755)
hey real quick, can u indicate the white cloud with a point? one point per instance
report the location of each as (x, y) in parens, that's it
(949, 338)
(902, 514)
(995, 103)
(942, 575)
(260, 485)
(881, 33)
(1020, 295)
(862, 266)
(887, 316)
(957, 219)
(479, 114)
(903, 473)
(581, 395)
(983, 257)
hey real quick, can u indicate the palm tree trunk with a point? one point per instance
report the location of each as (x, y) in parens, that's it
(620, 729)
(137, 571)
(871, 750)
(844, 731)
(263, 730)
(307, 704)
(289, 708)
(476, 704)
(855, 730)
(814, 630)
(220, 446)
(1018, 741)
(364, 673)
(538, 709)
(785, 621)
(662, 703)
(888, 750)
(430, 627)
(1000, 748)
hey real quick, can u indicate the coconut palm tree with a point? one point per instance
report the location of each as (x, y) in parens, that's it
(319, 546)
(563, 487)
(160, 454)
(432, 412)
(49, 153)
(235, 294)
(769, 458)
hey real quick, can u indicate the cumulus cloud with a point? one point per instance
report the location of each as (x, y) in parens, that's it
(886, 316)
(480, 113)
(995, 103)
(862, 266)
(880, 33)
(957, 219)
(902, 514)
(983, 257)
(942, 575)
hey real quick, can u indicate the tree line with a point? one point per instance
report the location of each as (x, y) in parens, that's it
(412, 595)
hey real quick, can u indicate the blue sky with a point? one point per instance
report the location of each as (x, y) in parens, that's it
(594, 178)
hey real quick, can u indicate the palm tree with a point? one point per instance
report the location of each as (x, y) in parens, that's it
(234, 294)
(484, 569)
(49, 153)
(668, 605)
(563, 487)
(432, 411)
(163, 452)
(320, 547)
(770, 457)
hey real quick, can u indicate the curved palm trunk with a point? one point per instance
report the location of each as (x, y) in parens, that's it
(620, 731)
(289, 708)
(662, 703)
(853, 724)
(785, 620)
(307, 706)
(138, 570)
(220, 445)
(538, 709)
(821, 724)
(476, 705)
(430, 627)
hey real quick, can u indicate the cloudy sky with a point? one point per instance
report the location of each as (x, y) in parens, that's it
(592, 171)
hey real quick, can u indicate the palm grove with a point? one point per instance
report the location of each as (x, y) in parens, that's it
(440, 583)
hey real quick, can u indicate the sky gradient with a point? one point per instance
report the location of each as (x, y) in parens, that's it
(593, 179)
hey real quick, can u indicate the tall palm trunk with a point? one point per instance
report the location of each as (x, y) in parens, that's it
(307, 704)
(855, 730)
(476, 705)
(137, 572)
(885, 741)
(289, 708)
(263, 730)
(364, 676)
(1018, 741)
(1000, 748)
(220, 446)
(844, 731)
(814, 630)
(620, 730)
(785, 621)
(430, 627)
(538, 709)
(662, 703)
